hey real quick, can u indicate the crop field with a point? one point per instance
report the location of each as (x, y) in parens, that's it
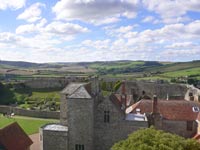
(29, 125)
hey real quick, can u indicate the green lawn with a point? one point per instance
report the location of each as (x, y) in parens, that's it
(29, 125)
(45, 94)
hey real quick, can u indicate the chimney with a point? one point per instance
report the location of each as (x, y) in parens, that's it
(155, 105)
(123, 90)
(123, 96)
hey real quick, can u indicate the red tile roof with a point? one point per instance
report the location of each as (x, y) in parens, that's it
(171, 110)
(197, 137)
(12, 137)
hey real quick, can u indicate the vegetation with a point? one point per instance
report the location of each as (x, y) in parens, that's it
(142, 70)
(152, 139)
(29, 125)
(43, 99)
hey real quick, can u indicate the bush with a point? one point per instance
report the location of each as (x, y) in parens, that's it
(152, 139)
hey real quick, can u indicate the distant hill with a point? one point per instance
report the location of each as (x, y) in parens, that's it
(20, 64)
(124, 68)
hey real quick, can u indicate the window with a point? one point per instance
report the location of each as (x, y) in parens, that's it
(190, 94)
(79, 147)
(195, 109)
(189, 125)
(106, 116)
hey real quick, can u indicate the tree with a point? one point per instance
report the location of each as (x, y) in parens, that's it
(152, 139)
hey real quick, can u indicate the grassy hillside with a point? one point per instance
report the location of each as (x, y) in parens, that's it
(124, 68)
(120, 67)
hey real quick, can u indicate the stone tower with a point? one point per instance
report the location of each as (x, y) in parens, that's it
(77, 106)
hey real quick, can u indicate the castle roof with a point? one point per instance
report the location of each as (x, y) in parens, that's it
(171, 110)
(77, 90)
(12, 137)
(117, 101)
(55, 127)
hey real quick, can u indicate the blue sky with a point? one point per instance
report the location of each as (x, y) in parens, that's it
(99, 30)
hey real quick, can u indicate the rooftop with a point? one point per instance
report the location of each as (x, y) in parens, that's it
(12, 137)
(77, 90)
(55, 127)
(171, 110)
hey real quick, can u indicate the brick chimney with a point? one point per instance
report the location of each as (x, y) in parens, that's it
(155, 105)
(123, 90)
(123, 95)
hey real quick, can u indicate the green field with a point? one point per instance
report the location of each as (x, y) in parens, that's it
(29, 125)
(187, 72)
(115, 65)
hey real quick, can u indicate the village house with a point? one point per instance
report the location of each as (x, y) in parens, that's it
(175, 116)
(89, 121)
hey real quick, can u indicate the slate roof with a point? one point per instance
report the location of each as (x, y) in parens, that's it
(12, 137)
(171, 110)
(55, 127)
(77, 90)
(128, 98)
(116, 100)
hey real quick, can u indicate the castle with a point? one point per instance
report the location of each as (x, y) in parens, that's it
(89, 121)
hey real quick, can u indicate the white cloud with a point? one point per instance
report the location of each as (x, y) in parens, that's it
(181, 45)
(64, 31)
(32, 13)
(99, 44)
(105, 21)
(7, 37)
(12, 4)
(95, 10)
(148, 19)
(172, 11)
(29, 28)
(61, 28)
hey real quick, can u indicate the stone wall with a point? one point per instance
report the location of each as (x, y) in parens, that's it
(80, 122)
(54, 82)
(29, 113)
(53, 140)
(192, 94)
(106, 134)
(179, 128)
(63, 110)
(162, 90)
(41, 83)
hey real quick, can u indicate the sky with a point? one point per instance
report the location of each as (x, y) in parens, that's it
(99, 30)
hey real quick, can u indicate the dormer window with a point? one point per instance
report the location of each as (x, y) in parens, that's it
(190, 94)
(195, 109)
